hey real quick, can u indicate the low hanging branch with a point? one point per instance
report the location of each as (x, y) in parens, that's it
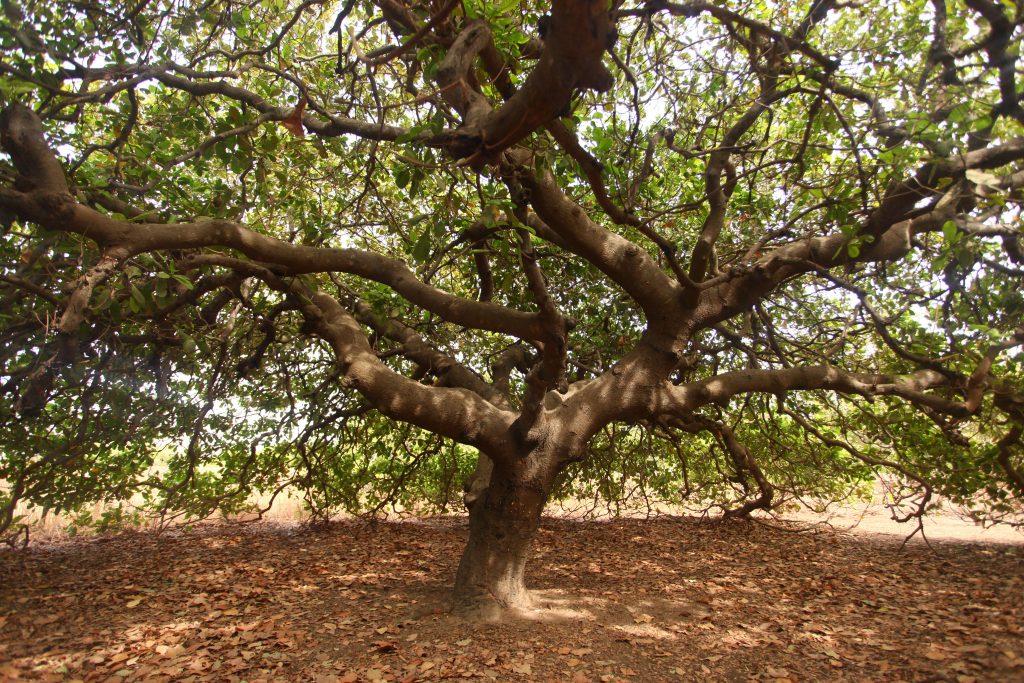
(425, 237)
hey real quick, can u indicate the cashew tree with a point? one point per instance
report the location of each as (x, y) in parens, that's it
(378, 251)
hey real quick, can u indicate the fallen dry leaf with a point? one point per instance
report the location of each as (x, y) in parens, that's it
(724, 602)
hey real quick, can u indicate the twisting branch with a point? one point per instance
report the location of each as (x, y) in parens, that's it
(593, 170)
(625, 263)
(454, 75)
(794, 43)
(50, 204)
(997, 45)
(938, 53)
(415, 38)
(457, 413)
(743, 461)
(579, 33)
(549, 373)
(78, 303)
(882, 327)
(451, 372)
(746, 463)
(809, 428)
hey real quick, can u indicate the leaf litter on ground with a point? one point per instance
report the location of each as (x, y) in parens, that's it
(668, 599)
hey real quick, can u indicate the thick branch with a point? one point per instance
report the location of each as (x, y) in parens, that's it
(593, 170)
(415, 348)
(624, 262)
(454, 74)
(457, 413)
(579, 33)
(53, 207)
(684, 399)
(21, 133)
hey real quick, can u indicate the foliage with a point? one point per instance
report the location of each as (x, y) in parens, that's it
(196, 377)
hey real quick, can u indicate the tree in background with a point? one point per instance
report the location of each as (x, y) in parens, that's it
(738, 252)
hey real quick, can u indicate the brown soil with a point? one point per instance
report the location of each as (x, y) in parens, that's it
(674, 599)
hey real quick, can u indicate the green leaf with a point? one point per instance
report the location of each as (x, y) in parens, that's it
(421, 250)
(183, 280)
(402, 176)
(414, 184)
(950, 232)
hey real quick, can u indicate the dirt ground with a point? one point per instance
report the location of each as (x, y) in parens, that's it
(672, 599)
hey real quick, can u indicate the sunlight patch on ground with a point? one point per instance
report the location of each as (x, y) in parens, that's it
(558, 605)
(645, 631)
(943, 525)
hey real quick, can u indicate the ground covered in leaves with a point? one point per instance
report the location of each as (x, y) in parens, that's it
(661, 600)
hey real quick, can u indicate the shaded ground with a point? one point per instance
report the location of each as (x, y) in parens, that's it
(672, 599)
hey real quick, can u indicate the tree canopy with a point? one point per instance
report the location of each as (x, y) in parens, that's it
(378, 252)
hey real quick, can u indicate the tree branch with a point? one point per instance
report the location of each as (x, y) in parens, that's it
(457, 413)
(683, 399)
(50, 205)
(624, 262)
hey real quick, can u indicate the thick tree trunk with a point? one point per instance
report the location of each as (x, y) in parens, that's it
(502, 524)
(479, 480)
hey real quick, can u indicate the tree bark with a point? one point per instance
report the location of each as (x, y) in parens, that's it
(476, 486)
(502, 525)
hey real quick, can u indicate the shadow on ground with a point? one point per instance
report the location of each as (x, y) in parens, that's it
(662, 600)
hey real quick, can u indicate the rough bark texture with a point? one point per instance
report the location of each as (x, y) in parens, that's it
(580, 32)
(502, 524)
(414, 360)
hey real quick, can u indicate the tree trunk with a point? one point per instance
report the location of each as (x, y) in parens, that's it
(476, 486)
(502, 524)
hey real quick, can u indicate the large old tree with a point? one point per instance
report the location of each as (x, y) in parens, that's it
(736, 252)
